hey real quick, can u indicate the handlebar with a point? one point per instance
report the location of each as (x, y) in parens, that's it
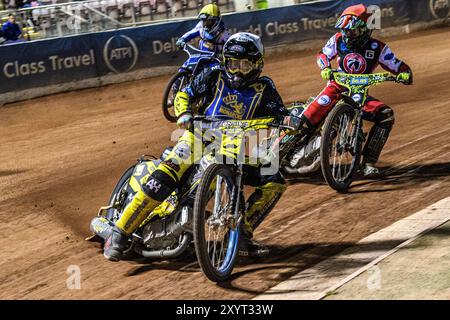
(386, 75)
(223, 118)
(209, 118)
(282, 126)
(190, 50)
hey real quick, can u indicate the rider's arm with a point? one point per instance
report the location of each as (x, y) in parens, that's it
(328, 53)
(202, 85)
(194, 33)
(389, 62)
(271, 103)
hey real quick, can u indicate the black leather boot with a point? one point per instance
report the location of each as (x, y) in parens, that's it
(115, 245)
(248, 247)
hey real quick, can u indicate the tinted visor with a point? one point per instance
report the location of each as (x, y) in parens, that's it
(209, 22)
(242, 66)
(352, 34)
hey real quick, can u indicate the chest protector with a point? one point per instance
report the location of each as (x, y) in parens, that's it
(236, 104)
(361, 60)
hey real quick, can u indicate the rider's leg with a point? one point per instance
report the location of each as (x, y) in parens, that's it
(313, 115)
(269, 190)
(263, 200)
(323, 103)
(159, 186)
(383, 118)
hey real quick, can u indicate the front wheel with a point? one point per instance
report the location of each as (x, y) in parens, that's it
(216, 235)
(340, 150)
(176, 83)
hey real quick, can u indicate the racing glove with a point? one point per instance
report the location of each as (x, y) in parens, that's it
(404, 77)
(180, 42)
(326, 73)
(185, 120)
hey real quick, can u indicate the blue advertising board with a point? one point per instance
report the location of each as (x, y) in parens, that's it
(56, 61)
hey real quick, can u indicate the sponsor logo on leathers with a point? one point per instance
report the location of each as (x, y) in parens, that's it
(354, 63)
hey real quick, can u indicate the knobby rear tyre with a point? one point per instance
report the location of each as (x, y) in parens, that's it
(170, 116)
(119, 186)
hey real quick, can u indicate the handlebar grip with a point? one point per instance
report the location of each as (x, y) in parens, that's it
(281, 126)
(392, 78)
(332, 75)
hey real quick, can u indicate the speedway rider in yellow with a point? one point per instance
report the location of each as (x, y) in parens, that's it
(236, 92)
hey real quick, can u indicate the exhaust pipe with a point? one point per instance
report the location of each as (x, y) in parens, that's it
(184, 243)
(304, 170)
(103, 228)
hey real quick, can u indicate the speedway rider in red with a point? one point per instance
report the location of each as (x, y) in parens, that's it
(357, 53)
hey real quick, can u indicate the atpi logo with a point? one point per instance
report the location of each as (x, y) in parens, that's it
(440, 9)
(354, 63)
(120, 54)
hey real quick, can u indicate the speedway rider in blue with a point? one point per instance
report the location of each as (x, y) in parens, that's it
(235, 92)
(211, 30)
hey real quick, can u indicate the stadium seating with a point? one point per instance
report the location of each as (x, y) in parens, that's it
(52, 21)
(226, 5)
(111, 9)
(178, 7)
(43, 18)
(144, 10)
(128, 11)
(192, 7)
(125, 10)
(160, 10)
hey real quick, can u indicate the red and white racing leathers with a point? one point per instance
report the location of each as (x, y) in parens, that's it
(361, 60)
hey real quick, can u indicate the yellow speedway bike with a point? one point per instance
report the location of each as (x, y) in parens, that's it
(336, 145)
(206, 210)
(219, 202)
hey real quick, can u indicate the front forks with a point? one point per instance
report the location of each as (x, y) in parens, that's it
(233, 215)
(236, 198)
(357, 135)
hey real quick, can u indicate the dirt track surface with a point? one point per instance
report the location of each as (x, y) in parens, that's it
(60, 157)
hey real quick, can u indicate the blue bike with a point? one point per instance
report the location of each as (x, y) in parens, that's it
(197, 60)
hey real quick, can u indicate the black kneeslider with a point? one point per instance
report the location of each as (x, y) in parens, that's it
(159, 185)
(378, 135)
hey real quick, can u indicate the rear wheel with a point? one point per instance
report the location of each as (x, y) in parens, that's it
(117, 199)
(216, 235)
(103, 225)
(340, 150)
(176, 83)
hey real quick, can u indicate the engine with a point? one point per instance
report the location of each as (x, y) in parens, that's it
(165, 233)
(306, 155)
